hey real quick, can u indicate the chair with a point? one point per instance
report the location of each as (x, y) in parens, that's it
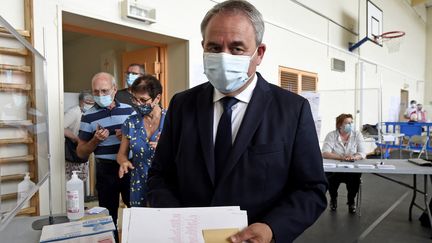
(359, 198)
(409, 130)
(416, 141)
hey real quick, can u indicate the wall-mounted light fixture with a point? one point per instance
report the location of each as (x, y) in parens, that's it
(136, 9)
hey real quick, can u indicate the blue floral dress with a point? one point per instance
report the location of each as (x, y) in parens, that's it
(142, 156)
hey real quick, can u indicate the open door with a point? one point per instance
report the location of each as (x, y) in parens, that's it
(152, 59)
(403, 104)
(148, 57)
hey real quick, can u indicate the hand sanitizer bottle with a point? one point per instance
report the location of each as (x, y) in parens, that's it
(23, 189)
(75, 197)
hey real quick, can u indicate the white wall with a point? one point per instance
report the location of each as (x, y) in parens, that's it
(295, 37)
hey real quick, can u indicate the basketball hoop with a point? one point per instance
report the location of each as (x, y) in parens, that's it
(391, 39)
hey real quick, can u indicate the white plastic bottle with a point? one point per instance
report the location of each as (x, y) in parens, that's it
(24, 188)
(75, 197)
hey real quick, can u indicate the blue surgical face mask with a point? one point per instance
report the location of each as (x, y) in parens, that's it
(226, 72)
(144, 109)
(130, 78)
(347, 128)
(104, 100)
(86, 107)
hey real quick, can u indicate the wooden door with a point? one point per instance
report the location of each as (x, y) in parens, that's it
(403, 104)
(152, 58)
(148, 57)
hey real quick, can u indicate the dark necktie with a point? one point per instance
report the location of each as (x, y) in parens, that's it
(223, 142)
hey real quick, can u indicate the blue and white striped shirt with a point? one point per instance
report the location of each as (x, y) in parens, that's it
(109, 119)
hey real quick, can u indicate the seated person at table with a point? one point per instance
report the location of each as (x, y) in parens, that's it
(344, 144)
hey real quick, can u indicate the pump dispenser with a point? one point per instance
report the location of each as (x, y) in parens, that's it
(23, 189)
(75, 197)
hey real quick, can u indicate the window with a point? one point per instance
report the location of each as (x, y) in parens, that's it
(297, 81)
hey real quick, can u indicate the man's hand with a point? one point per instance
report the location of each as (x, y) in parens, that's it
(124, 168)
(101, 134)
(254, 233)
(118, 134)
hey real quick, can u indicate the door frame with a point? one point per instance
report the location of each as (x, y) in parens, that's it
(163, 57)
(401, 108)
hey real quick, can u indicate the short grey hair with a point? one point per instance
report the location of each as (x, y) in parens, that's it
(106, 75)
(237, 6)
(140, 66)
(85, 95)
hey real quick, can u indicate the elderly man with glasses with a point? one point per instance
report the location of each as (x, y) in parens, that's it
(100, 133)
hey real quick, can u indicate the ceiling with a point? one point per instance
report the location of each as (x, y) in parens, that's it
(72, 36)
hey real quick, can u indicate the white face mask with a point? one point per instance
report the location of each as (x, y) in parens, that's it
(226, 72)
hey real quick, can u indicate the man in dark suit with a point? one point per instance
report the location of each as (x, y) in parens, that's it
(266, 158)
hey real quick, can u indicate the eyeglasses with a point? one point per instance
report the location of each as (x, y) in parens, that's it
(127, 73)
(102, 92)
(140, 101)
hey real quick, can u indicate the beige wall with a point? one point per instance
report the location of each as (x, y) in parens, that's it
(83, 58)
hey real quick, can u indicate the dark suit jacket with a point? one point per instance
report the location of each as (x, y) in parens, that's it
(274, 171)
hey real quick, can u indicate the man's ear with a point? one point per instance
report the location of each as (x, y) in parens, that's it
(260, 53)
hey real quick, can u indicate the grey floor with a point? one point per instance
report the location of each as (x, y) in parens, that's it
(378, 195)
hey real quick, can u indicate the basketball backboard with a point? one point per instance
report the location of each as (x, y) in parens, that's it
(374, 22)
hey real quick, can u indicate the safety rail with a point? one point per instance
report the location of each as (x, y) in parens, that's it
(402, 132)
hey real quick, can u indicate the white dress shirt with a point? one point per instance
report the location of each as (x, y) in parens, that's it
(238, 110)
(333, 144)
(72, 119)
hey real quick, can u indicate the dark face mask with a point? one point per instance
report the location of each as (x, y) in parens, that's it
(144, 109)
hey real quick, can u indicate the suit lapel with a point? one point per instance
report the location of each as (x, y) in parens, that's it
(205, 128)
(259, 102)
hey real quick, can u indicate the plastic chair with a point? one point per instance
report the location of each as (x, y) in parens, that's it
(409, 130)
(418, 140)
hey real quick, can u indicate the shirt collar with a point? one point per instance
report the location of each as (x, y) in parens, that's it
(339, 138)
(245, 96)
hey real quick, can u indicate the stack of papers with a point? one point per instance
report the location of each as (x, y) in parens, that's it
(365, 166)
(345, 165)
(391, 167)
(83, 231)
(207, 224)
(329, 165)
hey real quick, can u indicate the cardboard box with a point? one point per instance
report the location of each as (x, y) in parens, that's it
(93, 230)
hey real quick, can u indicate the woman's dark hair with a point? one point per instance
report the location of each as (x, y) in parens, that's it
(147, 84)
(341, 118)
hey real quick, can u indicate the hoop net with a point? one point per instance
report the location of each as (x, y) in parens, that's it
(392, 40)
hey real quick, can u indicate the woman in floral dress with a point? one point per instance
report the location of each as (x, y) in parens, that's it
(140, 136)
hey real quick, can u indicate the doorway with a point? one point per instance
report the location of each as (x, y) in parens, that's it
(403, 104)
(91, 46)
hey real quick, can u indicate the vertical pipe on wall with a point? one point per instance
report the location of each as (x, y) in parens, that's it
(359, 94)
